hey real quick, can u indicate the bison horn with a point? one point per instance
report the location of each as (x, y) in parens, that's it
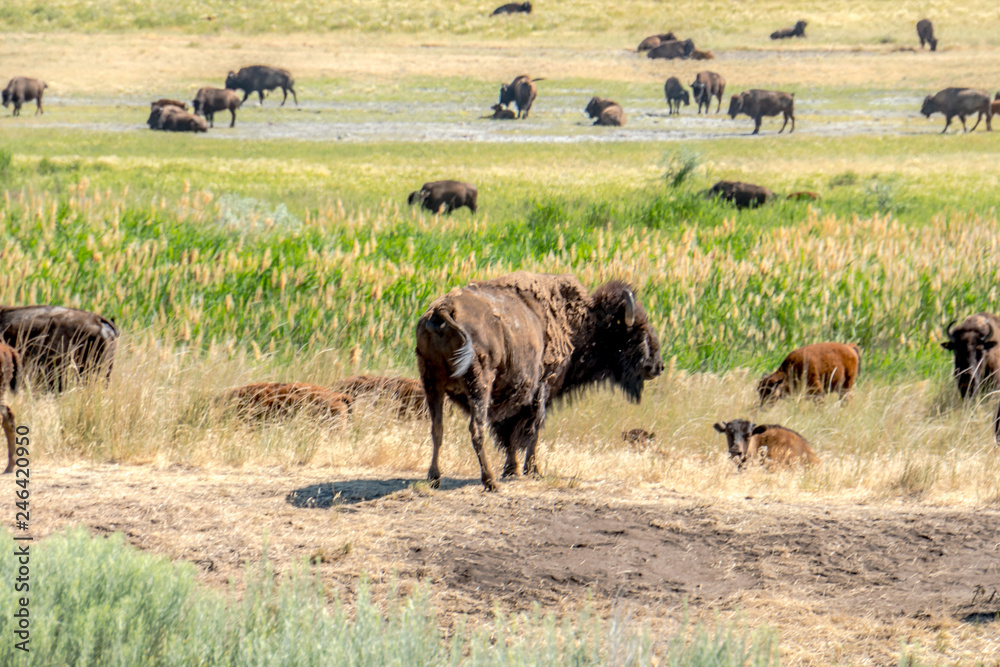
(947, 329)
(629, 308)
(989, 333)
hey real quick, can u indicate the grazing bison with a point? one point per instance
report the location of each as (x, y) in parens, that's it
(513, 8)
(406, 394)
(959, 102)
(765, 443)
(743, 195)
(672, 49)
(499, 113)
(261, 78)
(819, 368)
(210, 100)
(977, 357)
(675, 94)
(504, 349)
(175, 119)
(654, 41)
(759, 103)
(21, 89)
(164, 102)
(280, 400)
(706, 86)
(449, 194)
(53, 341)
(10, 374)
(798, 30)
(607, 112)
(521, 91)
(925, 31)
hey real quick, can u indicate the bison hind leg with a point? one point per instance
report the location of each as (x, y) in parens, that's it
(7, 415)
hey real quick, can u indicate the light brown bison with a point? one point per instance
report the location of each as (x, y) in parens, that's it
(959, 102)
(175, 119)
(671, 50)
(698, 54)
(448, 194)
(654, 41)
(743, 195)
(925, 31)
(21, 89)
(803, 195)
(521, 91)
(767, 444)
(165, 102)
(405, 394)
(210, 100)
(675, 94)
(261, 78)
(10, 374)
(817, 368)
(797, 30)
(283, 400)
(504, 349)
(707, 85)
(499, 113)
(513, 8)
(607, 112)
(977, 357)
(759, 103)
(54, 342)
(638, 436)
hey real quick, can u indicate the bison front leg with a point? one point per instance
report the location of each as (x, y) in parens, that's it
(232, 123)
(7, 415)
(756, 125)
(947, 122)
(537, 421)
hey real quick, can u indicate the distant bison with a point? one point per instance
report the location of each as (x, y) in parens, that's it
(499, 113)
(765, 444)
(977, 356)
(521, 91)
(261, 78)
(283, 400)
(165, 102)
(513, 8)
(959, 102)
(21, 89)
(671, 50)
(707, 85)
(925, 31)
(607, 112)
(803, 195)
(743, 195)
(654, 41)
(675, 94)
(406, 395)
(698, 54)
(174, 119)
(798, 30)
(759, 103)
(818, 368)
(210, 100)
(10, 375)
(638, 436)
(450, 195)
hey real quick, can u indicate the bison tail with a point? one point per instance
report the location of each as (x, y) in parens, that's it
(461, 360)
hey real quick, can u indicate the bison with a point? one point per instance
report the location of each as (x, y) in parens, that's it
(803, 195)
(210, 100)
(174, 119)
(654, 41)
(995, 105)
(765, 443)
(21, 89)
(959, 102)
(10, 375)
(743, 195)
(165, 102)
(819, 368)
(639, 437)
(513, 8)
(698, 54)
(798, 30)
(53, 341)
(521, 91)
(261, 78)
(607, 112)
(675, 94)
(759, 103)
(405, 394)
(499, 113)
(925, 31)
(280, 400)
(672, 49)
(977, 357)
(504, 349)
(448, 194)
(707, 85)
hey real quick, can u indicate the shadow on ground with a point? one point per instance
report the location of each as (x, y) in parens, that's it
(350, 492)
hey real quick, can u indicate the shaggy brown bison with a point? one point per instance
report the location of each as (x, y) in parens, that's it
(765, 444)
(654, 41)
(797, 30)
(925, 31)
(675, 94)
(521, 91)
(671, 50)
(759, 103)
(504, 349)
(977, 357)
(54, 341)
(803, 195)
(499, 113)
(405, 394)
(743, 195)
(959, 102)
(261, 78)
(10, 374)
(607, 112)
(164, 102)
(174, 119)
(282, 400)
(698, 54)
(706, 86)
(210, 100)
(818, 368)
(21, 89)
(448, 194)
(513, 8)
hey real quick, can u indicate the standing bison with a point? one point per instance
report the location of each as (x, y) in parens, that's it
(671, 50)
(959, 102)
(675, 94)
(707, 85)
(261, 78)
(21, 89)
(817, 368)
(759, 103)
(504, 349)
(925, 31)
(521, 91)
(210, 100)
(977, 357)
(797, 30)
(743, 195)
(607, 112)
(654, 41)
(450, 195)
(513, 8)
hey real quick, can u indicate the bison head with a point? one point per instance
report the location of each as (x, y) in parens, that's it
(698, 90)
(738, 433)
(526, 7)
(624, 341)
(970, 346)
(928, 108)
(231, 81)
(416, 197)
(685, 98)
(800, 27)
(772, 387)
(506, 94)
(593, 107)
(735, 105)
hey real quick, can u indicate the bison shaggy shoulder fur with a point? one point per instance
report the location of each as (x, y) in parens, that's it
(817, 368)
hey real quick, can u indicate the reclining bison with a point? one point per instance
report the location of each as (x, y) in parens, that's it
(675, 94)
(817, 369)
(607, 112)
(960, 102)
(521, 91)
(504, 349)
(406, 395)
(742, 195)
(759, 103)
(654, 41)
(170, 118)
(210, 100)
(766, 444)
(707, 85)
(269, 401)
(672, 49)
(977, 356)
(925, 31)
(449, 195)
(797, 30)
(21, 89)
(513, 8)
(261, 78)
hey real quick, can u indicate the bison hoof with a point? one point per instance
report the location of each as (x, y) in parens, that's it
(435, 482)
(490, 485)
(509, 472)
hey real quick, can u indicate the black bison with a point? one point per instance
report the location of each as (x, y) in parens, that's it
(675, 94)
(654, 41)
(504, 349)
(521, 91)
(261, 78)
(977, 357)
(54, 341)
(210, 100)
(817, 368)
(21, 89)
(406, 395)
(165, 102)
(765, 444)
(759, 103)
(707, 85)
(448, 194)
(283, 400)
(607, 112)
(499, 113)
(174, 119)
(925, 31)
(672, 49)
(960, 102)
(10, 375)
(743, 195)
(513, 8)
(797, 30)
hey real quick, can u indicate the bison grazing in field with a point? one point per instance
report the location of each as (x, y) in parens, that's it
(448, 194)
(607, 112)
(174, 119)
(765, 444)
(759, 103)
(521, 91)
(675, 94)
(405, 394)
(671, 50)
(513, 8)
(504, 349)
(210, 100)
(10, 375)
(977, 357)
(261, 78)
(706, 86)
(797, 30)
(654, 41)
(743, 195)
(21, 89)
(281, 400)
(54, 341)
(959, 102)
(817, 368)
(925, 31)
(499, 113)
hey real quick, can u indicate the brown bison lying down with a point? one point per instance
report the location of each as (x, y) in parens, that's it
(675, 94)
(925, 31)
(165, 102)
(654, 41)
(706, 86)
(607, 112)
(818, 368)
(759, 103)
(959, 102)
(406, 394)
(671, 50)
(499, 113)
(765, 444)
(210, 100)
(21, 89)
(279, 400)
(261, 78)
(698, 54)
(513, 8)
(798, 30)
(450, 195)
(175, 119)
(743, 195)
(10, 374)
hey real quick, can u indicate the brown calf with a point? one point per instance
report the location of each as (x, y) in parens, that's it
(277, 400)
(818, 368)
(406, 394)
(765, 443)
